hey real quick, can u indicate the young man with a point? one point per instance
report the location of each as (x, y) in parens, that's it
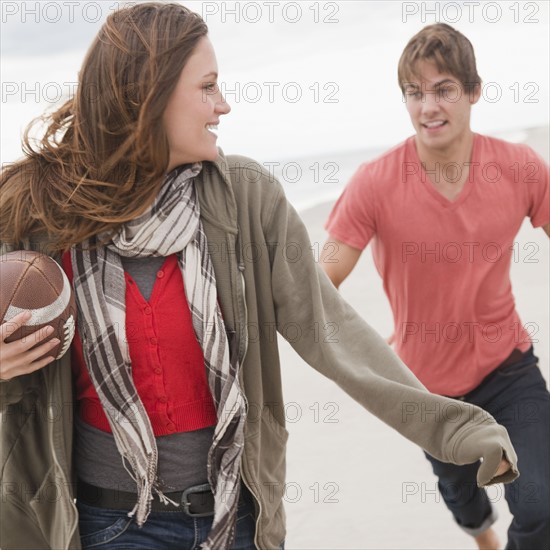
(443, 209)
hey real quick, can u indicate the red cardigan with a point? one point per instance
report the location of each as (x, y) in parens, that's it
(167, 361)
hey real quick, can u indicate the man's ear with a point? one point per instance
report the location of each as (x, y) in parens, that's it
(475, 93)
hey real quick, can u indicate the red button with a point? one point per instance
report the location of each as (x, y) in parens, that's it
(163, 399)
(147, 310)
(171, 427)
(160, 274)
(158, 371)
(153, 341)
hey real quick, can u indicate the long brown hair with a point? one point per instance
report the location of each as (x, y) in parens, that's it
(103, 156)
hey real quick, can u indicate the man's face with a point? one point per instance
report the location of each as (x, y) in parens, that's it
(439, 108)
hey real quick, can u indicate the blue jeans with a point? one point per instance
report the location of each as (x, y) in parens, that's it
(517, 397)
(104, 529)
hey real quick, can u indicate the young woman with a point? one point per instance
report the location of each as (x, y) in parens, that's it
(179, 433)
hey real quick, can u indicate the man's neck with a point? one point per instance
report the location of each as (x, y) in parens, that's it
(448, 168)
(460, 151)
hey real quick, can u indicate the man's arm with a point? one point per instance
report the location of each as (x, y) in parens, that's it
(547, 228)
(338, 259)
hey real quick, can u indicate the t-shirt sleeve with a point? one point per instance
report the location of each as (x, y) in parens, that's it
(352, 220)
(536, 178)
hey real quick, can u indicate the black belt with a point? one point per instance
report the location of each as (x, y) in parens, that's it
(514, 357)
(197, 501)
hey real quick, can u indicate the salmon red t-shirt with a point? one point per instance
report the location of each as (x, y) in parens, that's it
(446, 264)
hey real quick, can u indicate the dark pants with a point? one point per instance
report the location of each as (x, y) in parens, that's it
(517, 397)
(107, 529)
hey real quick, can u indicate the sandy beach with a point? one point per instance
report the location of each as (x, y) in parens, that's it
(353, 483)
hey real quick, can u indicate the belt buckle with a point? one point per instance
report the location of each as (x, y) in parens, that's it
(186, 504)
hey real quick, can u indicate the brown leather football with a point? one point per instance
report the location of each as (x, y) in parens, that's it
(35, 282)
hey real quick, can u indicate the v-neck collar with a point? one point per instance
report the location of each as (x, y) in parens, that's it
(430, 188)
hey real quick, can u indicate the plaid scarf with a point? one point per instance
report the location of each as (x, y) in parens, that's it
(171, 225)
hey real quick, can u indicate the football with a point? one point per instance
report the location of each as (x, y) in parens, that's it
(35, 282)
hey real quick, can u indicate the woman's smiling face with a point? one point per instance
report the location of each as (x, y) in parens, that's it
(194, 109)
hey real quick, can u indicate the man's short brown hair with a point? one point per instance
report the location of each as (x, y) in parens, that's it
(448, 49)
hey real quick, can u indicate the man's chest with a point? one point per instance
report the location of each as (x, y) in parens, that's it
(482, 220)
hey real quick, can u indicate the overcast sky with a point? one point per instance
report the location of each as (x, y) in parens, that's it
(302, 78)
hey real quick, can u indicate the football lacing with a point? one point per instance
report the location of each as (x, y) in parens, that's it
(68, 330)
